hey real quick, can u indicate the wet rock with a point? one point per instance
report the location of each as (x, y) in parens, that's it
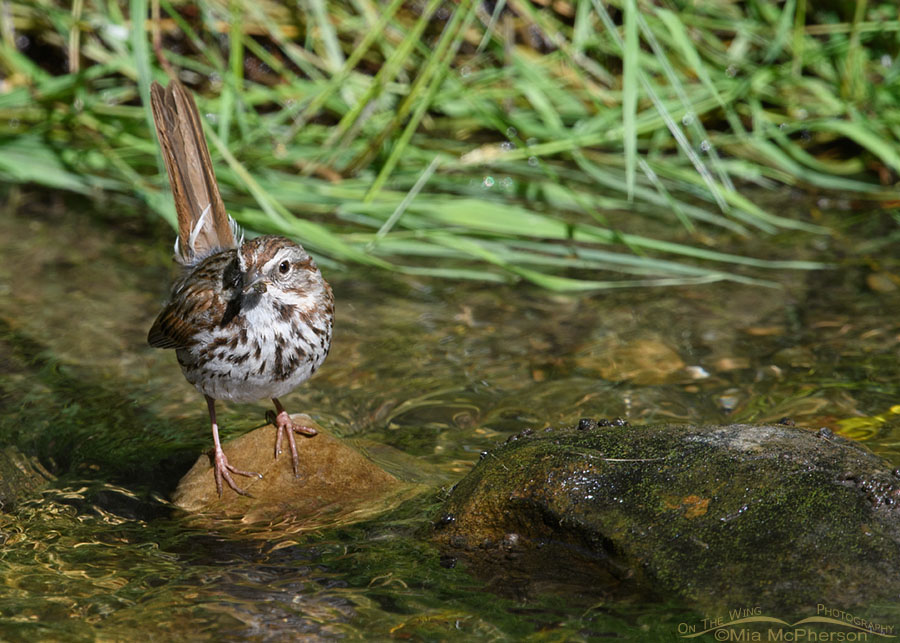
(883, 282)
(645, 360)
(716, 515)
(19, 476)
(337, 483)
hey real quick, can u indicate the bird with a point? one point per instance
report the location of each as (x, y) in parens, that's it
(248, 319)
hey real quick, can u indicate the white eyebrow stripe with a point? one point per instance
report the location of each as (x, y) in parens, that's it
(278, 258)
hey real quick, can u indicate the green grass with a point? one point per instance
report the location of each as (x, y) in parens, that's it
(475, 141)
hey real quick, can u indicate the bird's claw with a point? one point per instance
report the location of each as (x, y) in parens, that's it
(284, 425)
(223, 470)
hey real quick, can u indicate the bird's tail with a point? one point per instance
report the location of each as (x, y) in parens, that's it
(204, 226)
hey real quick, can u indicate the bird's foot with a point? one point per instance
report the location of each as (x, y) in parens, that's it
(284, 425)
(224, 470)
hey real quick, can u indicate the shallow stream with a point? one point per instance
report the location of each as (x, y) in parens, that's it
(424, 375)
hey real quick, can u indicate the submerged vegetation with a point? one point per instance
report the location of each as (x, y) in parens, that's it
(576, 144)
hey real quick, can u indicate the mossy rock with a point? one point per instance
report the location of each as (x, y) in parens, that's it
(21, 477)
(721, 516)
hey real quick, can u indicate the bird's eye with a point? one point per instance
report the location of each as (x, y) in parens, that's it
(284, 267)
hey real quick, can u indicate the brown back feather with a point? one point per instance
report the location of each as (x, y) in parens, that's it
(190, 171)
(198, 303)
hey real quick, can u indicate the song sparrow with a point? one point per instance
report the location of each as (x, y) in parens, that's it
(248, 319)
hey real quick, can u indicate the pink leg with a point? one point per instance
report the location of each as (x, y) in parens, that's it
(223, 469)
(284, 425)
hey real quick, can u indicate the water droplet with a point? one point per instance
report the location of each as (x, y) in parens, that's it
(705, 146)
(886, 61)
(731, 71)
(531, 141)
(507, 146)
(801, 114)
(511, 132)
(464, 71)
(488, 182)
(782, 125)
(22, 42)
(78, 104)
(507, 183)
(687, 119)
(212, 118)
(13, 123)
(532, 161)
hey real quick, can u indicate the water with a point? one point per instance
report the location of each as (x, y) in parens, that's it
(425, 375)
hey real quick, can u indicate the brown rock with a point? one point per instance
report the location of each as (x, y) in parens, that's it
(882, 282)
(646, 360)
(337, 483)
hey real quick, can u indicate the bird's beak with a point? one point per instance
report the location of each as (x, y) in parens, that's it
(254, 284)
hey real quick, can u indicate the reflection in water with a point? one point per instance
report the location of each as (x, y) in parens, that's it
(423, 376)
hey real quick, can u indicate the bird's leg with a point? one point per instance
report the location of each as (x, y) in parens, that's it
(285, 425)
(222, 468)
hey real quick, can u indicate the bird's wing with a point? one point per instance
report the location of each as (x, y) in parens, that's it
(198, 304)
